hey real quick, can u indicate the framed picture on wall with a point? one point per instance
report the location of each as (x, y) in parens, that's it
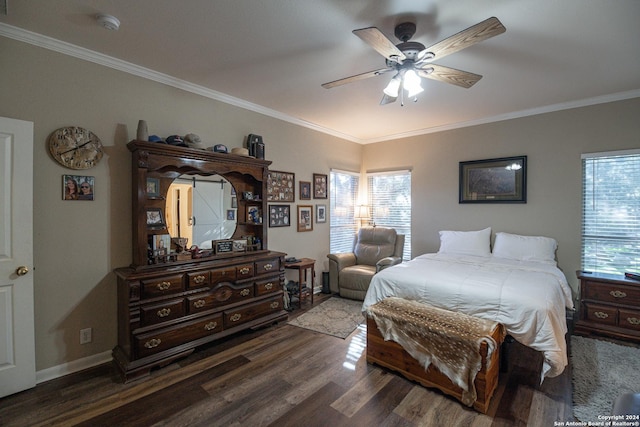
(281, 186)
(77, 187)
(321, 213)
(279, 215)
(319, 186)
(305, 190)
(502, 180)
(305, 218)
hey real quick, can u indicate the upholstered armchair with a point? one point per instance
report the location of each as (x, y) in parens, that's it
(374, 249)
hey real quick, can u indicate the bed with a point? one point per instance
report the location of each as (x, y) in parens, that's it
(518, 285)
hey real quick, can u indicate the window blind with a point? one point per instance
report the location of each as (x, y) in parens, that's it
(390, 198)
(611, 212)
(343, 193)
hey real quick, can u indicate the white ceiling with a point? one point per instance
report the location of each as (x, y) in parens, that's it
(271, 56)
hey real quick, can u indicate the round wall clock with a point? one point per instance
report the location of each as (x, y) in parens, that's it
(75, 147)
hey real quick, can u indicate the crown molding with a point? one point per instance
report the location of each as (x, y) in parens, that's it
(127, 67)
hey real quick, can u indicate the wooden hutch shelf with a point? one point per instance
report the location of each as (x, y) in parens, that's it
(170, 304)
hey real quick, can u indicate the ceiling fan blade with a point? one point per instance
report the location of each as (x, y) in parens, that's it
(355, 78)
(385, 47)
(386, 99)
(452, 76)
(484, 30)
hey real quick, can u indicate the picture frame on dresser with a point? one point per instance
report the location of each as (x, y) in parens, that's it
(155, 218)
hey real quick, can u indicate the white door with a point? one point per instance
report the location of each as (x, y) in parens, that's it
(17, 348)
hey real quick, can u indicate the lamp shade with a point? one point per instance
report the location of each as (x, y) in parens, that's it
(362, 212)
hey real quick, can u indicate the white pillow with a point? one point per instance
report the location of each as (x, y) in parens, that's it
(525, 248)
(476, 243)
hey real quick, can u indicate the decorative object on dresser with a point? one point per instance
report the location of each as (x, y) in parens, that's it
(169, 305)
(609, 306)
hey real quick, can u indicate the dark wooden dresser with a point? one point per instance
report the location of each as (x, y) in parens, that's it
(609, 306)
(171, 300)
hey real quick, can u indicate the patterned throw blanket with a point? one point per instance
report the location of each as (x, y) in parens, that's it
(449, 340)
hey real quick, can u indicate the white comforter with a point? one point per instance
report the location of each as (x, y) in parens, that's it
(528, 298)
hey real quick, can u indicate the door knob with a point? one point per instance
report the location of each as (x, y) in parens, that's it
(22, 270)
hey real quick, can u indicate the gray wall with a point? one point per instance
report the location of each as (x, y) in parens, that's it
(552, 143)
(78, 244)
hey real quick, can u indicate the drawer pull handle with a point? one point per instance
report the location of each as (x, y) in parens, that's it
(210, 326)
(200, 303)
(245, 292)
(633, 320)
(245, 270)
(275, 304)
(268, 266)
(164, 312)
(163, 286)
(618, 294)
(268, 286)
(235, 317)
(199, 279)
(600, 314)
(152, 343)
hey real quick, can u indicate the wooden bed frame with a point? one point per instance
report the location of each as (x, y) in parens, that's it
(391, 355)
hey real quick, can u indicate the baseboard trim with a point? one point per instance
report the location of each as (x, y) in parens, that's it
(71, 367)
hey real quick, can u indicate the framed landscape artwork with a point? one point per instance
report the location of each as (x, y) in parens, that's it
(502, 180)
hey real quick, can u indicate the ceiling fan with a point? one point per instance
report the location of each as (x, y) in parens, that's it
(410, 60)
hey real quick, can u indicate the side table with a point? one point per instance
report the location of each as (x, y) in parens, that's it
(302, 265)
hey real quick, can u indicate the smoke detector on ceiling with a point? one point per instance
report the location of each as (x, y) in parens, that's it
(109, 22)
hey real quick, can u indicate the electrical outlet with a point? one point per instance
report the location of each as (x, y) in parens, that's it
(85, 336)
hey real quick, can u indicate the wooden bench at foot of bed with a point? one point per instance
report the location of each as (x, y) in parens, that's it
(392, 355)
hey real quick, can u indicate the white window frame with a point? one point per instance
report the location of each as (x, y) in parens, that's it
(611, 212)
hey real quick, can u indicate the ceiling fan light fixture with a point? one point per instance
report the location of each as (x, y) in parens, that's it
(393, 87)
(412, 83)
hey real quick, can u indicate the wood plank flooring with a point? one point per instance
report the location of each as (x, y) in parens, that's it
(284, 376)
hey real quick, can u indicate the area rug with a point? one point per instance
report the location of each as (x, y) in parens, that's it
(336, 316)
(601, 371)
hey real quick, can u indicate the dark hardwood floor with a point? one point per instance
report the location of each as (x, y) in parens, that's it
(284, 376)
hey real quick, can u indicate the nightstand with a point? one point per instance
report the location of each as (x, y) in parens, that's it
(609, 306)
(302, 265)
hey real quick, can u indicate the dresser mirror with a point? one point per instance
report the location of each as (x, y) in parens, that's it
(200, 208)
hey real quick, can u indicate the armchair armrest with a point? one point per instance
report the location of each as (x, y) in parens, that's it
(342, 260)
(387, 262)
(336, 263)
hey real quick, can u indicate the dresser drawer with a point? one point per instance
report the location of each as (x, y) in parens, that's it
(611, 292)
(601, 314)
(162, 286)
(223, 275)
(250, 312)
(164, 339)
(222, 294)
(267, 286)
(168, 310)
(198, 280)
(244, 271)
(268, 266)
(629, 319)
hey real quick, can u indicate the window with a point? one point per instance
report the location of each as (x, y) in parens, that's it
(611, 212)
(390, 199)
(343, 194)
